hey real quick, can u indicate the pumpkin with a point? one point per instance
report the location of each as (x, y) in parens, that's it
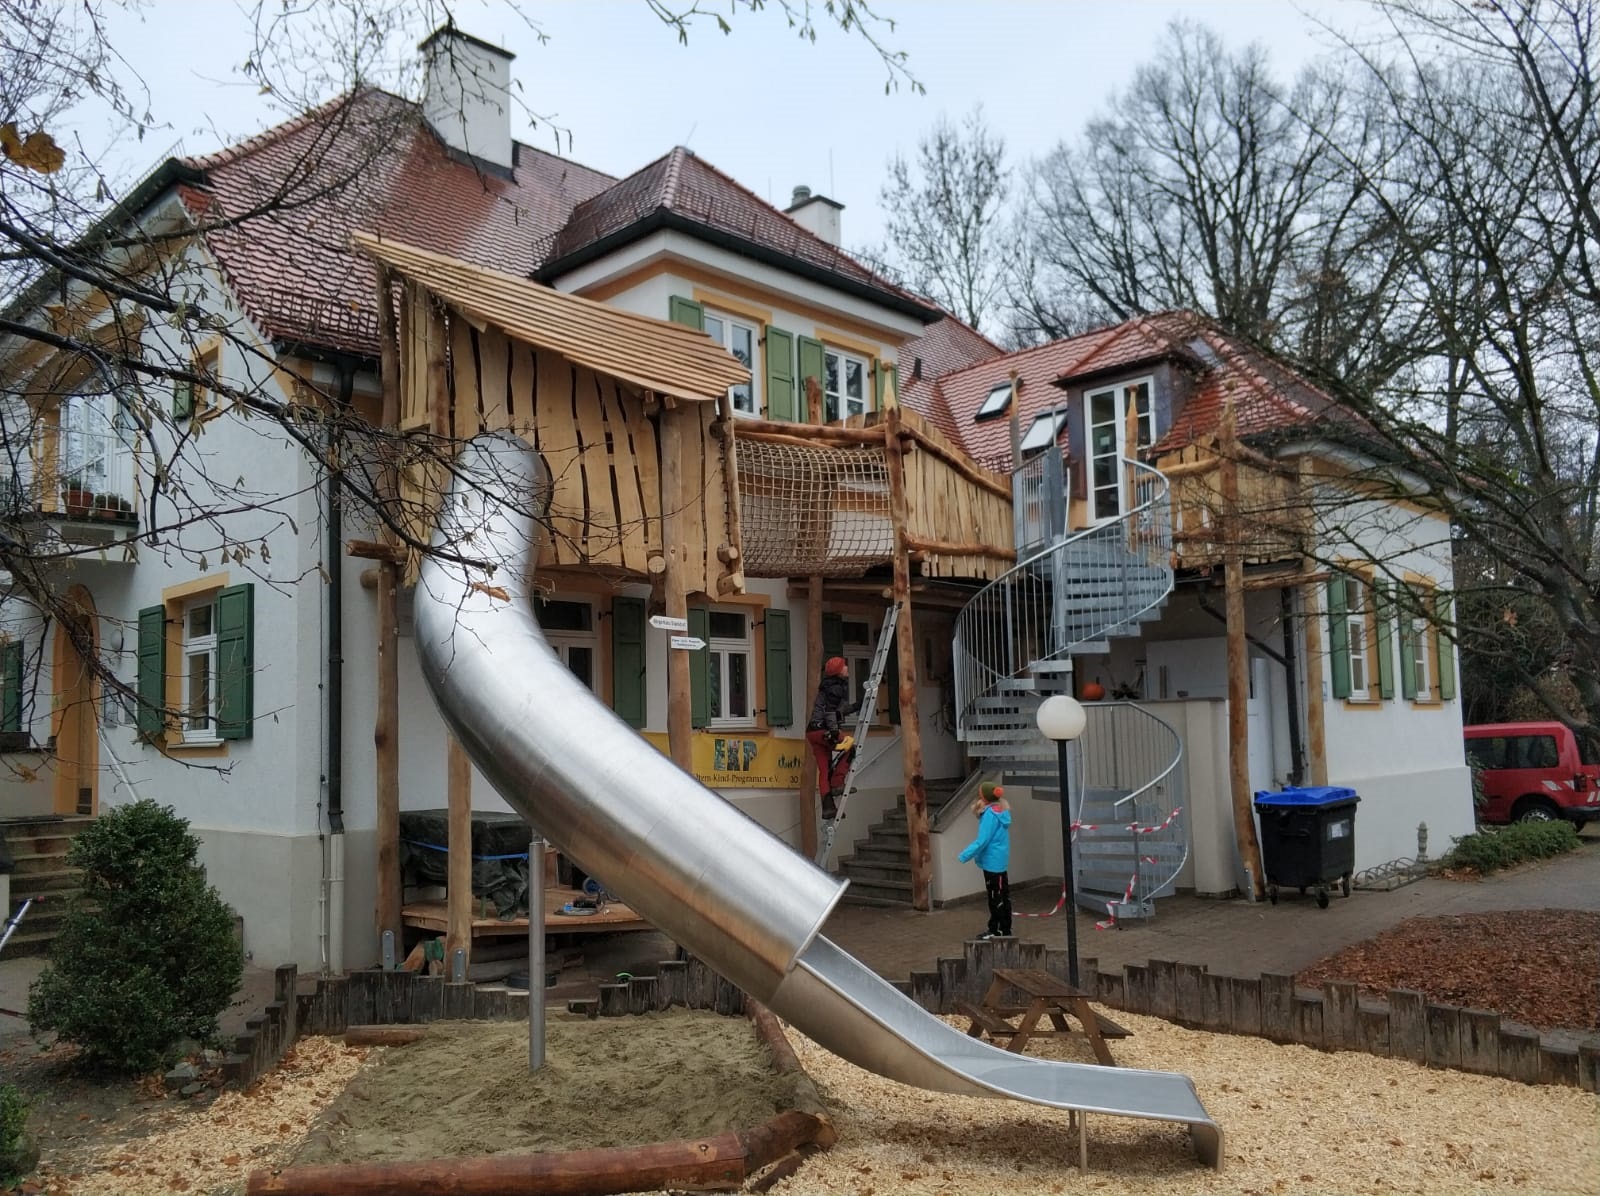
(1093, 691)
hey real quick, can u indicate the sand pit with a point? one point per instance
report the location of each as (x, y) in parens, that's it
(466, 1089)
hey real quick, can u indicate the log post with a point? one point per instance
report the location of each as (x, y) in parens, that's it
(1311, 613)
(1244, 825)
(906, 642)
(386, 725)
(808, 762)
(458, 889)
(675, 597)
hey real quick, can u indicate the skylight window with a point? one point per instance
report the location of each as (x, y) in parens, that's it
(1202, 349)
(1043, 431)
(997, 401)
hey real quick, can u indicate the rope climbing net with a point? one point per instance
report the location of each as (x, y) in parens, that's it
(813, 510)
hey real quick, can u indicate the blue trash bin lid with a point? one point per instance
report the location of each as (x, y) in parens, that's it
(1310, 796)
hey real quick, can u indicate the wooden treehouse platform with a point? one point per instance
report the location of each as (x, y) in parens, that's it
(434, 917)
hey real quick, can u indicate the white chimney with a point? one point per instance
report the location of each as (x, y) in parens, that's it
(816, 214)
(467, 94)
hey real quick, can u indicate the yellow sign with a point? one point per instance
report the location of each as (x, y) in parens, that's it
(742, 760)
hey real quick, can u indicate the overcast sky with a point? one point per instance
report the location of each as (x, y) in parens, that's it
(760, 104)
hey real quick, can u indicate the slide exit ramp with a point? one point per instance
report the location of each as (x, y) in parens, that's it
(715, 880)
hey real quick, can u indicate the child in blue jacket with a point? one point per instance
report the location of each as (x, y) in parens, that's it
(992, 847)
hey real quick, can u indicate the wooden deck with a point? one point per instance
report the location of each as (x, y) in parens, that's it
(434, 916)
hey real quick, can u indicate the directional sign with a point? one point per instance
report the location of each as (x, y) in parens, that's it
(692, 643)
(668, 623)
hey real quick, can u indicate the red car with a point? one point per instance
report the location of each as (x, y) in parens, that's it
(1534, 772)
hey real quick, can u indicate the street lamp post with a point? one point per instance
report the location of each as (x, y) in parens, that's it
(1062, 719)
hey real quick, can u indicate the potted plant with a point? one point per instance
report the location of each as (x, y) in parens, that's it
(77, 500)
(105, 505)
(125, 511)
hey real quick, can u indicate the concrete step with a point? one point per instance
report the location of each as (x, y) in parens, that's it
(867, 893)
(869, 874)
(38, 861)
(58, 883)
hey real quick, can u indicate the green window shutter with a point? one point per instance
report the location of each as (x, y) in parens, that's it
(780, 677)
(152, 682)
(686, 311)
(1383, 608)
(1338, 638)
(235, 661)
(11, 716)
(811, 366)
(699, 669)
(780, 374)
(1444, 649)
(182, 399)
(1408, 655)
(888, 379)
(627, 660)
(832, 637)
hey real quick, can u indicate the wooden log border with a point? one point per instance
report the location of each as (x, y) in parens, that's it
(1333, 1018)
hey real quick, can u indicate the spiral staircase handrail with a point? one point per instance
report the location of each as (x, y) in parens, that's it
(974, 677)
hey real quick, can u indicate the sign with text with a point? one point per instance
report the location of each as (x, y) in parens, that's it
(742, 760)
(668, 623)
(689, 643)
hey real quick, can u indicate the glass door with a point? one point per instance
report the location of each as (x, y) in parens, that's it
(1107, 413)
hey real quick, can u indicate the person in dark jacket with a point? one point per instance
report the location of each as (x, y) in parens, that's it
(824, 733)
(992, 848)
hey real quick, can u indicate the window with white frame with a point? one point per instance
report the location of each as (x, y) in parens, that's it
(1043, 431)
(732, 668)
(1420, 646)
(568, 628)
(1355, 617)
(856, 636)
(199, 702)
(844, 385)
(1109, 411)
(740, 338)
(996, 401)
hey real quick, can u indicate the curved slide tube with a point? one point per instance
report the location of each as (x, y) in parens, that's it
(682, 857)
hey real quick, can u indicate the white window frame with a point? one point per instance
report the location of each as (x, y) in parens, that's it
(725, 325)
(1356, 602)
(562, 642)
(1122, 394)
(995, 402)
(859, 657)
(1036, 438)
(841, 402)
(193, 647)
(1422, 639)
(724, 647)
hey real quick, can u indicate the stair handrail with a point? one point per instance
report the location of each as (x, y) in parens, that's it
(1148, 525)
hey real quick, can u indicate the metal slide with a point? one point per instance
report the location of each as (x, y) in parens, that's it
(685, 859)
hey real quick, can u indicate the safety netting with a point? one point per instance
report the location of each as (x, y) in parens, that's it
(810, 510)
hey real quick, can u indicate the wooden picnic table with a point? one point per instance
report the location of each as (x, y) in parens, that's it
(1049, 997)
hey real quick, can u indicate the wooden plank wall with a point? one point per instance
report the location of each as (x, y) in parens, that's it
(942, 505)
(1268, 507)
(594, 432)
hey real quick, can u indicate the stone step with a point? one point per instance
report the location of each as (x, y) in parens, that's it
(54, 882)
(876, 855)
(878, 894)
(38, 861)
(873, 874)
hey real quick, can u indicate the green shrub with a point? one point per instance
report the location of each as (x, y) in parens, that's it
(146, 956)
(1489, 850)
(13, 1119)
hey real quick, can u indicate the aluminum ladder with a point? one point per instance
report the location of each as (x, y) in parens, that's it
(864, 717)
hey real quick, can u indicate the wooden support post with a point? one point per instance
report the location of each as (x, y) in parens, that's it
(906, 641)
(731, 553)
(675, 596)
(1311, 613)
(1244, 825)
(386, 725)
(808, 763)
(458, 891)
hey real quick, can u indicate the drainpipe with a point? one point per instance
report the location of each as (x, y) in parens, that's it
(333, 882)
(1291, 684)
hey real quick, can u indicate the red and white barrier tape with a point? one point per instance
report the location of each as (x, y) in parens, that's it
(1127, 895)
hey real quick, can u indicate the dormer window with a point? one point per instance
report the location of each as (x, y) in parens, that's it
(997, 401)
(1043, 431)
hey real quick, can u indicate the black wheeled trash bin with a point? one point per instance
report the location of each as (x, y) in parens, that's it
(1308, 839)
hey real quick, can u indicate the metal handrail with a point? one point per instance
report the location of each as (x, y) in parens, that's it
(1022, 617)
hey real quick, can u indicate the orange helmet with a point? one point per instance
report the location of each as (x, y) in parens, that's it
(837, 666)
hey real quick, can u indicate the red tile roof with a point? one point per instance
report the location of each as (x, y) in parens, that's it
(691, 188)
(945, 347)
(365, 161)
(1267, 395)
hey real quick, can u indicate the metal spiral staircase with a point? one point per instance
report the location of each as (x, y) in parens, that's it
(1015, 641)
